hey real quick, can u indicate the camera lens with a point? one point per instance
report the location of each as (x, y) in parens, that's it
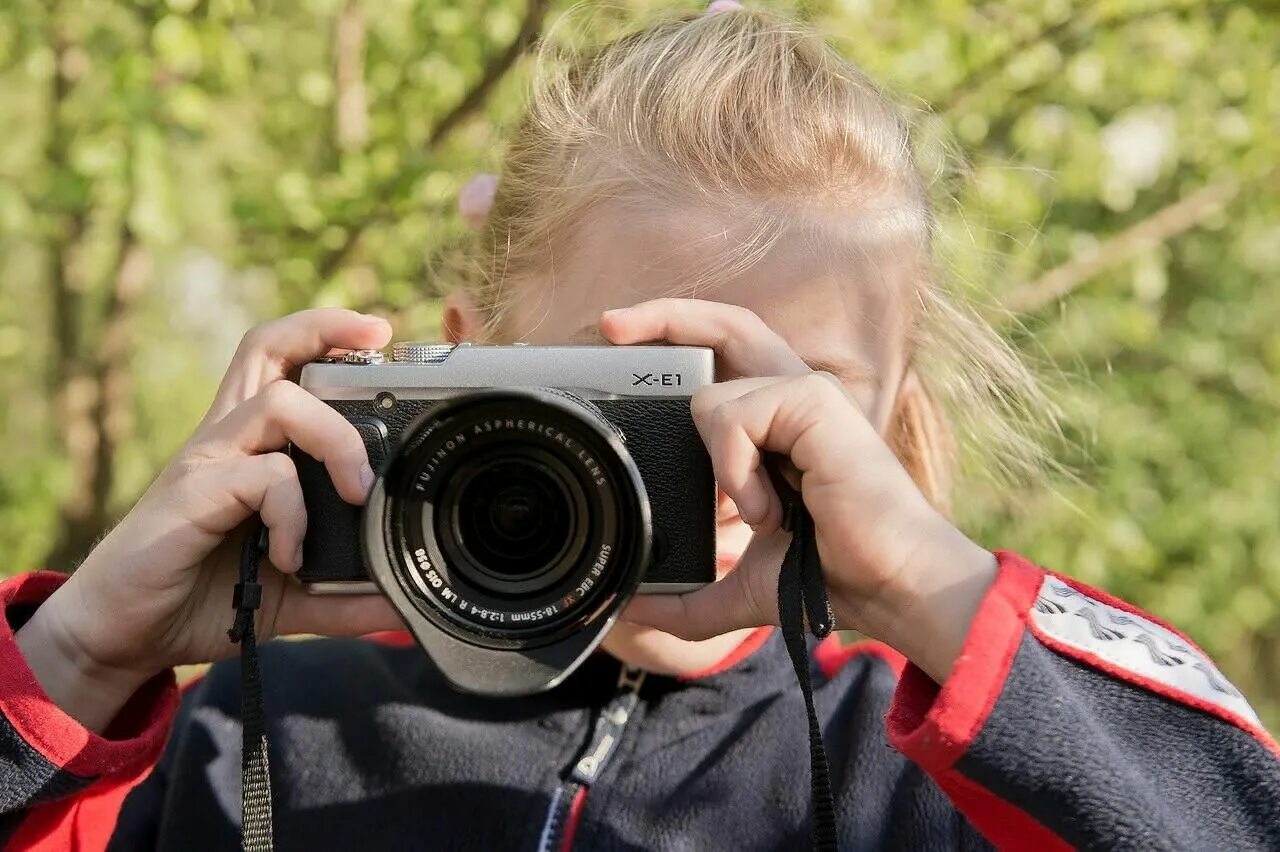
(510, 524)
(512, 517)
(515, 521)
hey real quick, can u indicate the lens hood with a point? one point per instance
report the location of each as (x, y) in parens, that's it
(492, 623)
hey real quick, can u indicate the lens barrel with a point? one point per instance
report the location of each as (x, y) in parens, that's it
(513, 517)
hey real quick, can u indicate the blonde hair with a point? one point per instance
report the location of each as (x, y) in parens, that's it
(755, 120)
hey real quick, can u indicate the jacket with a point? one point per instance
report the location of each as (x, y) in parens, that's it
(1070, 719)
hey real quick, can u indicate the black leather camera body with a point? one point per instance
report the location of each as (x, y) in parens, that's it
(523, 495)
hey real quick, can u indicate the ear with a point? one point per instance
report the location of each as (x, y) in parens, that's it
(921, 439)
(461, 318)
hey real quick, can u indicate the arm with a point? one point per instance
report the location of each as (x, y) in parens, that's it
(51, 766)
(86, 685)
(1065, 717)
(1070, 718)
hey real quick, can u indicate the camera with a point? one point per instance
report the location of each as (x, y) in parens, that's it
(523, 495)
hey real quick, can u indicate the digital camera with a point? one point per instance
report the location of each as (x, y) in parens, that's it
(523, 495)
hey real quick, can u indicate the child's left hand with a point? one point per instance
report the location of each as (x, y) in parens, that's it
(895, 568)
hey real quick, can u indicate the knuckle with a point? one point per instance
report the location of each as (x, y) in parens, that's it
(312, 322)
(315, 315)
(255, 339)
(713, 416)
(743, 318)
(725, 415)
(279, 466)
(341, 446)
(199, 490)
(184, 466)
(822, 382)
(702, 402)
(353, 450)
(279, 395)
(346, 433)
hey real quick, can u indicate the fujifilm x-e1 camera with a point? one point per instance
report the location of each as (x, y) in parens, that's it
(523, 495)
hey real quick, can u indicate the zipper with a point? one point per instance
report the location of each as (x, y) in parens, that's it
(570, 796)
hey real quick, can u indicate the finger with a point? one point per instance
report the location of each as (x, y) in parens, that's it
(219, 497)
(744, 344)
(270, 351)
(746, 597)
(708, 397)
(284, 513)
(334, 615)
(810, 419)
(283, 413)
(739, 469)
(736, 460)
(269, 483)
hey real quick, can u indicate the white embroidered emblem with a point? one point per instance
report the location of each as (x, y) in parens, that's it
(1133, 643)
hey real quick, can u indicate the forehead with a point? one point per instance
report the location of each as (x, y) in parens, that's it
(826, 302)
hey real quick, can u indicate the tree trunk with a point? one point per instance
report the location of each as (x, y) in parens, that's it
(100, 412)
(351, 110)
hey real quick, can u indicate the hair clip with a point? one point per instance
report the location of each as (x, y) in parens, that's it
(718, 6)
(475, 200)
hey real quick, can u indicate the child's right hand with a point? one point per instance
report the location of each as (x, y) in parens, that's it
(156, 592)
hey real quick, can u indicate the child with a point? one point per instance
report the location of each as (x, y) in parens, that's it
(732, 158)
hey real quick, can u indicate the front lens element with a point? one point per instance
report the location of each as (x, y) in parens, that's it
(512, 517)
(515, 521)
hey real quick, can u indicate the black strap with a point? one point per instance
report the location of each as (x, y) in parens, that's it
(802, 596)
(256, 833)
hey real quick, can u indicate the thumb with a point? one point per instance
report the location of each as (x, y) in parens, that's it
(746, 597)
(339, 615)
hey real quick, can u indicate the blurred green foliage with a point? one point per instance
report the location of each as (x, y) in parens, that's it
(171, 173)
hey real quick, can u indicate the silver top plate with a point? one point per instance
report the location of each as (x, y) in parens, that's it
(594, 371)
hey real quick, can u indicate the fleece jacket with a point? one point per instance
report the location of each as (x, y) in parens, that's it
(1070, 719)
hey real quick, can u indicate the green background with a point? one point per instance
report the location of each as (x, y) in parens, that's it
(171, 173)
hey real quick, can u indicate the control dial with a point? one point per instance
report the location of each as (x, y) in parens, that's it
(421, 353)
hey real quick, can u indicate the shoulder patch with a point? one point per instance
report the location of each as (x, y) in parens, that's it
(1134, 644)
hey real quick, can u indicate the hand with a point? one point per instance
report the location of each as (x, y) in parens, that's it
(895, 568)
(156, 592)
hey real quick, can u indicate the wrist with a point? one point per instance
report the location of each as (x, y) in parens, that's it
(74, 678)
(928, 614)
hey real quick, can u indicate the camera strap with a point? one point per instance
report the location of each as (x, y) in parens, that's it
(802, 597)
(256, 832)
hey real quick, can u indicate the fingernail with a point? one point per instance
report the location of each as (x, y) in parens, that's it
(372, 318)
(297, 557)
(366, 476)
(614, 312)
